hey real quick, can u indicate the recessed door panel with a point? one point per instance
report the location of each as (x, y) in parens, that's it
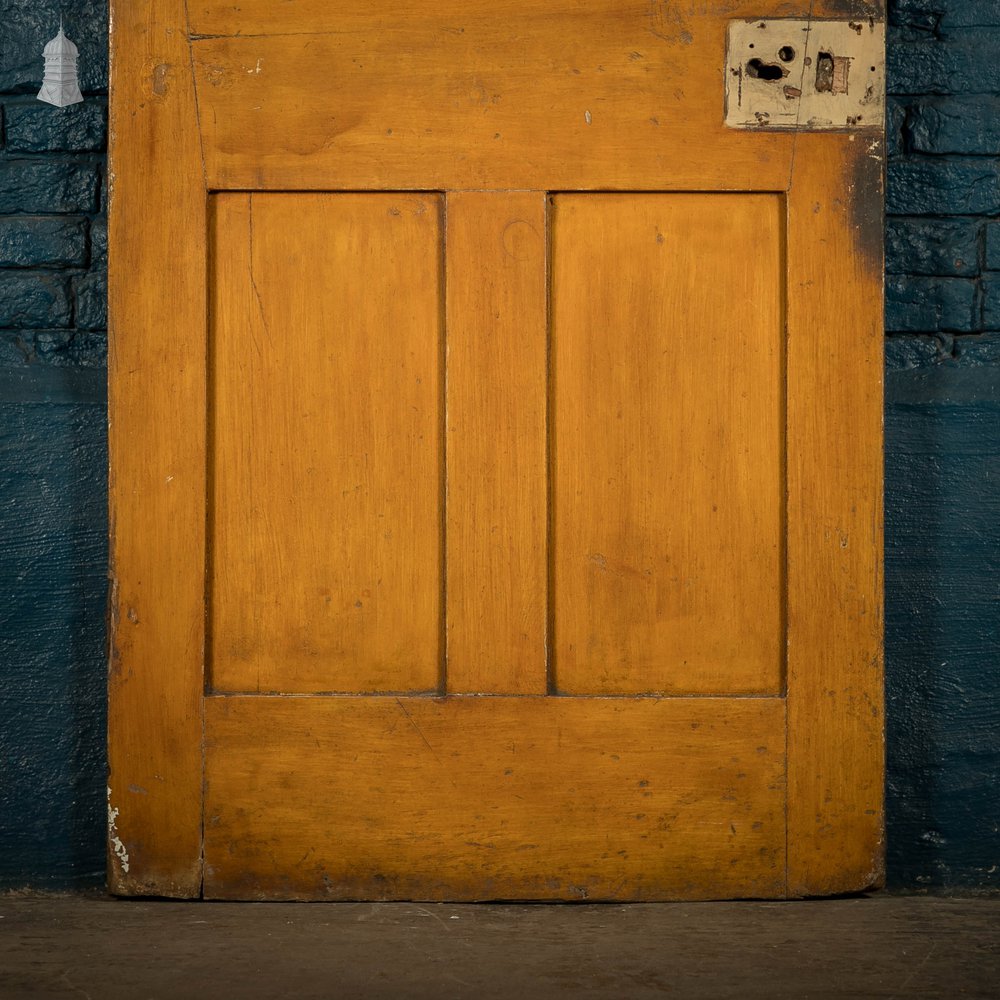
(325, 401)
(667, 443)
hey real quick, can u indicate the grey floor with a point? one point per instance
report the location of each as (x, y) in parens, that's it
(878, 947)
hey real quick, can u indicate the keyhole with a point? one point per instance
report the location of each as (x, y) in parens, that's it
(761, 70)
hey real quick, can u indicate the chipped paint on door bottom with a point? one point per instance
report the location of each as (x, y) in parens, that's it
(118, 849)
(805, 74)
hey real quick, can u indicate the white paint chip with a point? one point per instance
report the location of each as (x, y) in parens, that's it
(119, 849)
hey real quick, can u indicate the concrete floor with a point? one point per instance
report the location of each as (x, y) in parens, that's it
(880, 947)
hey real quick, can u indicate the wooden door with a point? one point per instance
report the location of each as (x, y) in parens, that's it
(496, 436)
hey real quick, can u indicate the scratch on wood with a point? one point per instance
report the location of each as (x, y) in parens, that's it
(194, 95)
(253, 280)
(426, 742)
(114, 659)
(412, 722)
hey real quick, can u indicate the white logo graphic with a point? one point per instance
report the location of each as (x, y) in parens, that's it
(60, 85)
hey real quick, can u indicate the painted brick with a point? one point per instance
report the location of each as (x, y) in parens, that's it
(945, 14)
(969, 14)
(28, 24)
(992, 246)
(968, 62)
(50, 344)
(41, 128)
(86, 349)
(910, 25)
(30, 241)
(991, 300)
(929, 304)
(99, 243)
(943, 186)
(956, 125)
(33, 300)
(92, 301)
(895, 121)
(20, 346)
(53, 574)
(933, 246)
(64, 348)
(47, 186)
(904, 352)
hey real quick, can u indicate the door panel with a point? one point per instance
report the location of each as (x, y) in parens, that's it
(326, 445)
(668, 426)
(495, 457)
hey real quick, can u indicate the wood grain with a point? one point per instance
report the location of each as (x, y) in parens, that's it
(156, 374)
(497, 518)
(511, 95)
(494, 798)
(326, 397)
(835, 677)
(667, 351)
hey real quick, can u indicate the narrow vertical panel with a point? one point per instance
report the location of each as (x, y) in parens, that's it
(835, 698)
(156, 372)
(326, 435)
(667, 344)
(496, 445)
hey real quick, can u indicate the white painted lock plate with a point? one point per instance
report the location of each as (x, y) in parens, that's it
(810, 75)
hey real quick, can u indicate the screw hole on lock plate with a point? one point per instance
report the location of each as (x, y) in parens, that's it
(786, 53)
(760, 70)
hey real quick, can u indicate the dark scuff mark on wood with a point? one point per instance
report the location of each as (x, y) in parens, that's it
(111, 618)
(161, 74)
(854, 8)
(867, 183)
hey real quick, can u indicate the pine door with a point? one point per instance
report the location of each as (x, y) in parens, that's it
(496, 435)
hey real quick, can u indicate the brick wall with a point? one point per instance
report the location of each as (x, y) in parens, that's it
(943, 444)
(53, 235)
(942, 243)
(53, 456)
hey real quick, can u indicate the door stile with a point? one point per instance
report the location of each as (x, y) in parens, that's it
(157, 431)
(835, 721)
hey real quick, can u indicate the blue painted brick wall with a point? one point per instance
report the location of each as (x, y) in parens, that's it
(943, 444)
(942, 448)
(53, 455)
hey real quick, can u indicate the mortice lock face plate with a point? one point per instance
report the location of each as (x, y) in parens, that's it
(805, 75)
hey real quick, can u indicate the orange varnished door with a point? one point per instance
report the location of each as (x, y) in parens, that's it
(495, 456)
